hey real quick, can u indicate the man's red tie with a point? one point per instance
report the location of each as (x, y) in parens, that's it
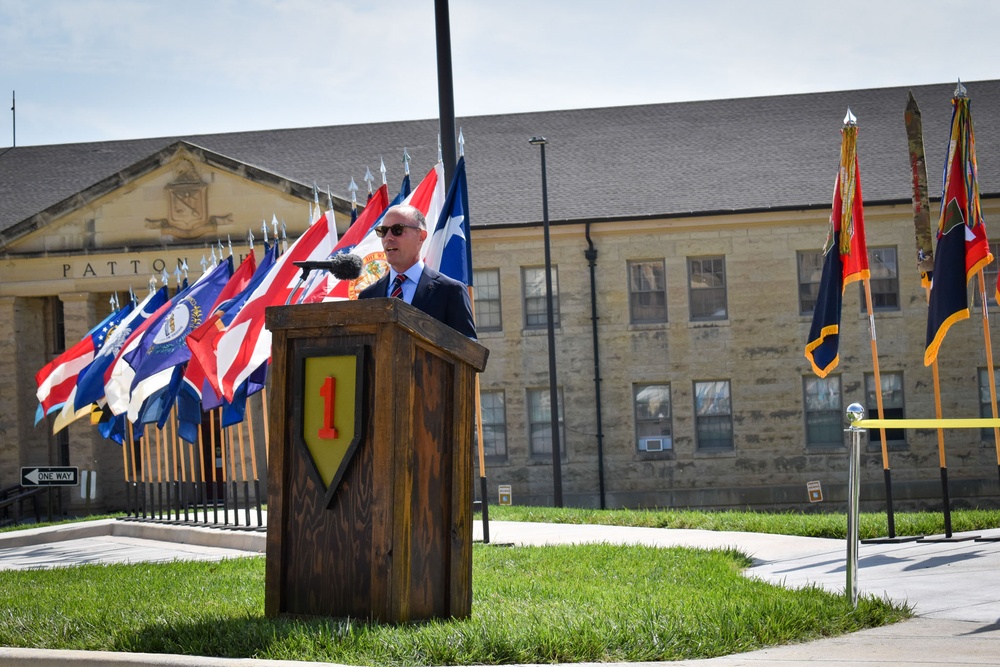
(397, 286)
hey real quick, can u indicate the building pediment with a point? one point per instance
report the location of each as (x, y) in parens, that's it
(181, 194)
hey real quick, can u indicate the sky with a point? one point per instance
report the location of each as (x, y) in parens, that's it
(97, 70)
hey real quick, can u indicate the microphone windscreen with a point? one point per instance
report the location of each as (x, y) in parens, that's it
(345, 266)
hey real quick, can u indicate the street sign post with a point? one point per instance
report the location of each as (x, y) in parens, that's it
(50, 476)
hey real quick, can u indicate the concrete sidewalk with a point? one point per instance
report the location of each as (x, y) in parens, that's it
(954, 587)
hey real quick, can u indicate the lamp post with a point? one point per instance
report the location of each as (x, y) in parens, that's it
(549, 320)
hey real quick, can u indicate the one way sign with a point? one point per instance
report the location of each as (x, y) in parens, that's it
(50, 476)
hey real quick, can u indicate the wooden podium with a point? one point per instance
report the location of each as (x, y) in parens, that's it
(370, 463)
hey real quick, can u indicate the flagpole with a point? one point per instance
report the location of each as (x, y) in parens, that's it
(941, 458)
(479, 439)
(194, 477)
(214, 469)
(225, 471)
(128, 490)
(253, 461)
(131, 444)
(204, 477)
(147, 465)
(267, 433)
(890, 515)
(235, 477)
(989, 363)
(243, 467)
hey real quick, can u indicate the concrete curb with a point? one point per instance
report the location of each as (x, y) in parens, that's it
(34, 657)
(203, 536)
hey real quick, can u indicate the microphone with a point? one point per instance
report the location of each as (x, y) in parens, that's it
(343, 266)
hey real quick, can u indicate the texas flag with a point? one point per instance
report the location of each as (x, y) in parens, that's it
(448, 248)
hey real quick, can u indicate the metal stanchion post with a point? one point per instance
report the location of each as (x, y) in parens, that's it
(855, 413)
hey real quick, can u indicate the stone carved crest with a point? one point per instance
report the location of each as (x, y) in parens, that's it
(187, 205)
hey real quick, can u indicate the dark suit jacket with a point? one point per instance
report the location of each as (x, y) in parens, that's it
(441, 297)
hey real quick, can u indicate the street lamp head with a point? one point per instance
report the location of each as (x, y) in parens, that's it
(538, 141)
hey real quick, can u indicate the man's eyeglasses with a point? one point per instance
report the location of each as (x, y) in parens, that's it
(397, 230)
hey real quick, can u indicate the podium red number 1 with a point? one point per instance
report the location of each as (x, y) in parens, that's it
(329, 393)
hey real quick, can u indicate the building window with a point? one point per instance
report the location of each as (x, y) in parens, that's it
(540, 423)
(713, 412)
(989, 282)
(533, 279)
(707, 288)
(884, 280)
(892, 407)
(58, 323)
(985, 402)
(653, 418)
(824, 416)
(810, 273)
(494, 415)
(486, 292)
(647, 287)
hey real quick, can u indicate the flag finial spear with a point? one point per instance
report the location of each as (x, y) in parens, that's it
(165, 277)
(184, 267)
(440, 154)
(381, 168)
(177, 274)
(112, 300)
(274, 225)
(960, 90)
(850, 118)
(229, 242)
(406, 162)
(131, 294)
(368, 179)
(204, 264)
(214, 258)
(353, 189)
(152, 283)
(250, 237)
(329, 196)
(263, 228)
(461, 143)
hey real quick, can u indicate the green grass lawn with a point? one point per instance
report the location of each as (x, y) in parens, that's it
(833, 525)
(587, 603)
(531, 605)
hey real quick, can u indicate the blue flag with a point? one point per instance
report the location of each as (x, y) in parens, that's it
(164, 345)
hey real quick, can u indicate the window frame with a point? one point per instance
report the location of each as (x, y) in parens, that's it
(662, 432)
(832, 415)
(693, 291)
(813, 286)
(895, 438)
(701, 418)
(637, 294)
(529, 313)
(497, 428)
(874, 281)
(544, 423)
(487, 307)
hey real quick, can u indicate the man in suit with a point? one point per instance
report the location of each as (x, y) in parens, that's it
(403, 231)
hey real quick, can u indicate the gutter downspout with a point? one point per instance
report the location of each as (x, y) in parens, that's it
(591, 254)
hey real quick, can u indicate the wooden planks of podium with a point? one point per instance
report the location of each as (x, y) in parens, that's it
(370, 463)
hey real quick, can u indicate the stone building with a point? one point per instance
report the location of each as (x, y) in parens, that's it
(686, 245)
